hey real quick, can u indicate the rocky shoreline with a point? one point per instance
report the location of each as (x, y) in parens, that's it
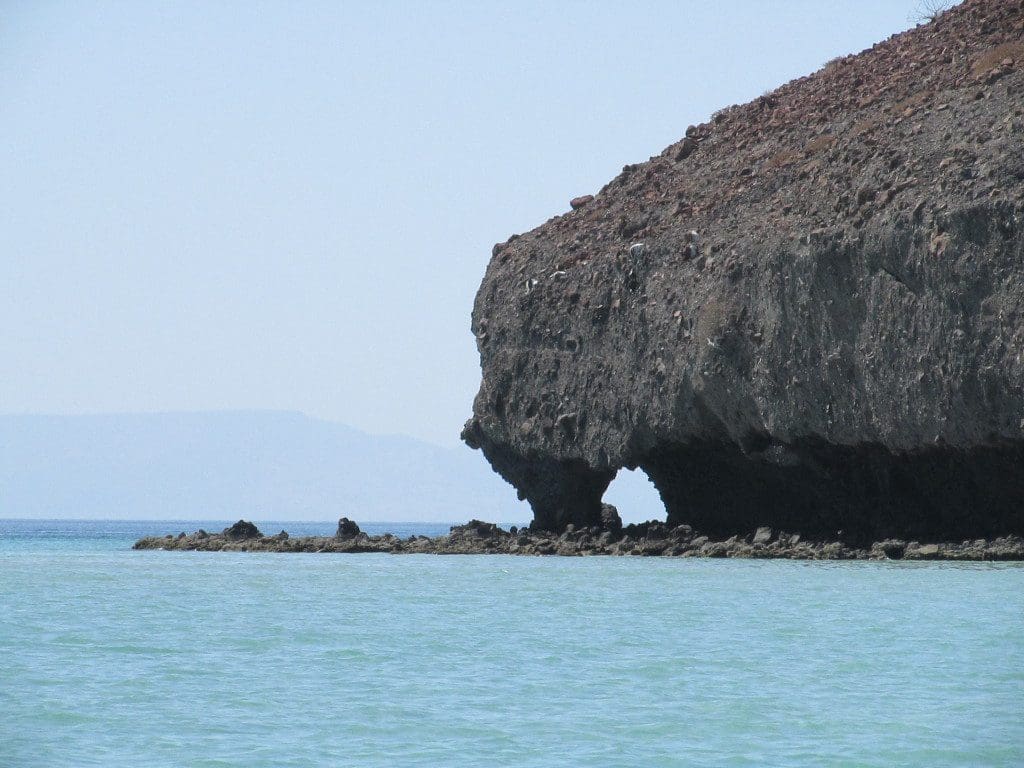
(652, 539)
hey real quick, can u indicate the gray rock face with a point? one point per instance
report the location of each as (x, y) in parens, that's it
(838, 348)
(347, 529)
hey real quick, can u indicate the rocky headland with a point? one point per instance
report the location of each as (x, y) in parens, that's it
(805, 315)
(804, 321)
(646, 539)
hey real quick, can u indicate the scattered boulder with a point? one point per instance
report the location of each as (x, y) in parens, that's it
(347, 529)
(243, 530)
(656, 531)
(763, 535)
(682, 532)
(686, 148)
(926, 552)
(478, 529)
(610, 519)
(892, 548)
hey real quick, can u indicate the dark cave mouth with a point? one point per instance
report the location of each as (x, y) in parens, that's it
(824, 492)
(857, 494)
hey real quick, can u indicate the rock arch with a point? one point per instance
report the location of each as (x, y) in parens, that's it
(635, 496)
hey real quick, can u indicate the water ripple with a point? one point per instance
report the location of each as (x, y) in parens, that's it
(119, 658)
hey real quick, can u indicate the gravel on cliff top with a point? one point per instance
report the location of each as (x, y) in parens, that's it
(916, 120)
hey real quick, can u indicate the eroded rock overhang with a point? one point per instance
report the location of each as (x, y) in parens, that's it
(837, 348)
(853, 385)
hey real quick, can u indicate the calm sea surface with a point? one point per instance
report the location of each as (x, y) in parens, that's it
(119, 658)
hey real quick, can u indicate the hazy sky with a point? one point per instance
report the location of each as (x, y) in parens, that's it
(290, 205)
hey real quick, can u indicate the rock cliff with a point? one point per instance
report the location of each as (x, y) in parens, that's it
(808, 313)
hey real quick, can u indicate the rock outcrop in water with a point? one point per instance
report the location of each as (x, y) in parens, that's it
(647, 540)
(243, 530)
(808, 313)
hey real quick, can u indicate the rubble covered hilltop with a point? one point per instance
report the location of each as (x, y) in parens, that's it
(805, 315)
(647, 539)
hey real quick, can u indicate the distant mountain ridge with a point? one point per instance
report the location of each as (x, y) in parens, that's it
(226, 464)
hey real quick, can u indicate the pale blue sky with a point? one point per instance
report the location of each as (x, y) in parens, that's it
(283, 205)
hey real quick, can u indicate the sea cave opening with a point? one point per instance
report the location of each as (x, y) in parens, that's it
(636, 498)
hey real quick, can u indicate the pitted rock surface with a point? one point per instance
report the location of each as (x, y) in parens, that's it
(838, 348)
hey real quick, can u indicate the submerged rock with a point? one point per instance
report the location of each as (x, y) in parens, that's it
(838, 349)
(763, 535)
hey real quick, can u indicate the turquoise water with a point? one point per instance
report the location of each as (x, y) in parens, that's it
(121, 658)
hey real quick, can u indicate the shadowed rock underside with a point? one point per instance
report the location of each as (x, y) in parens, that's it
(838, 348)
